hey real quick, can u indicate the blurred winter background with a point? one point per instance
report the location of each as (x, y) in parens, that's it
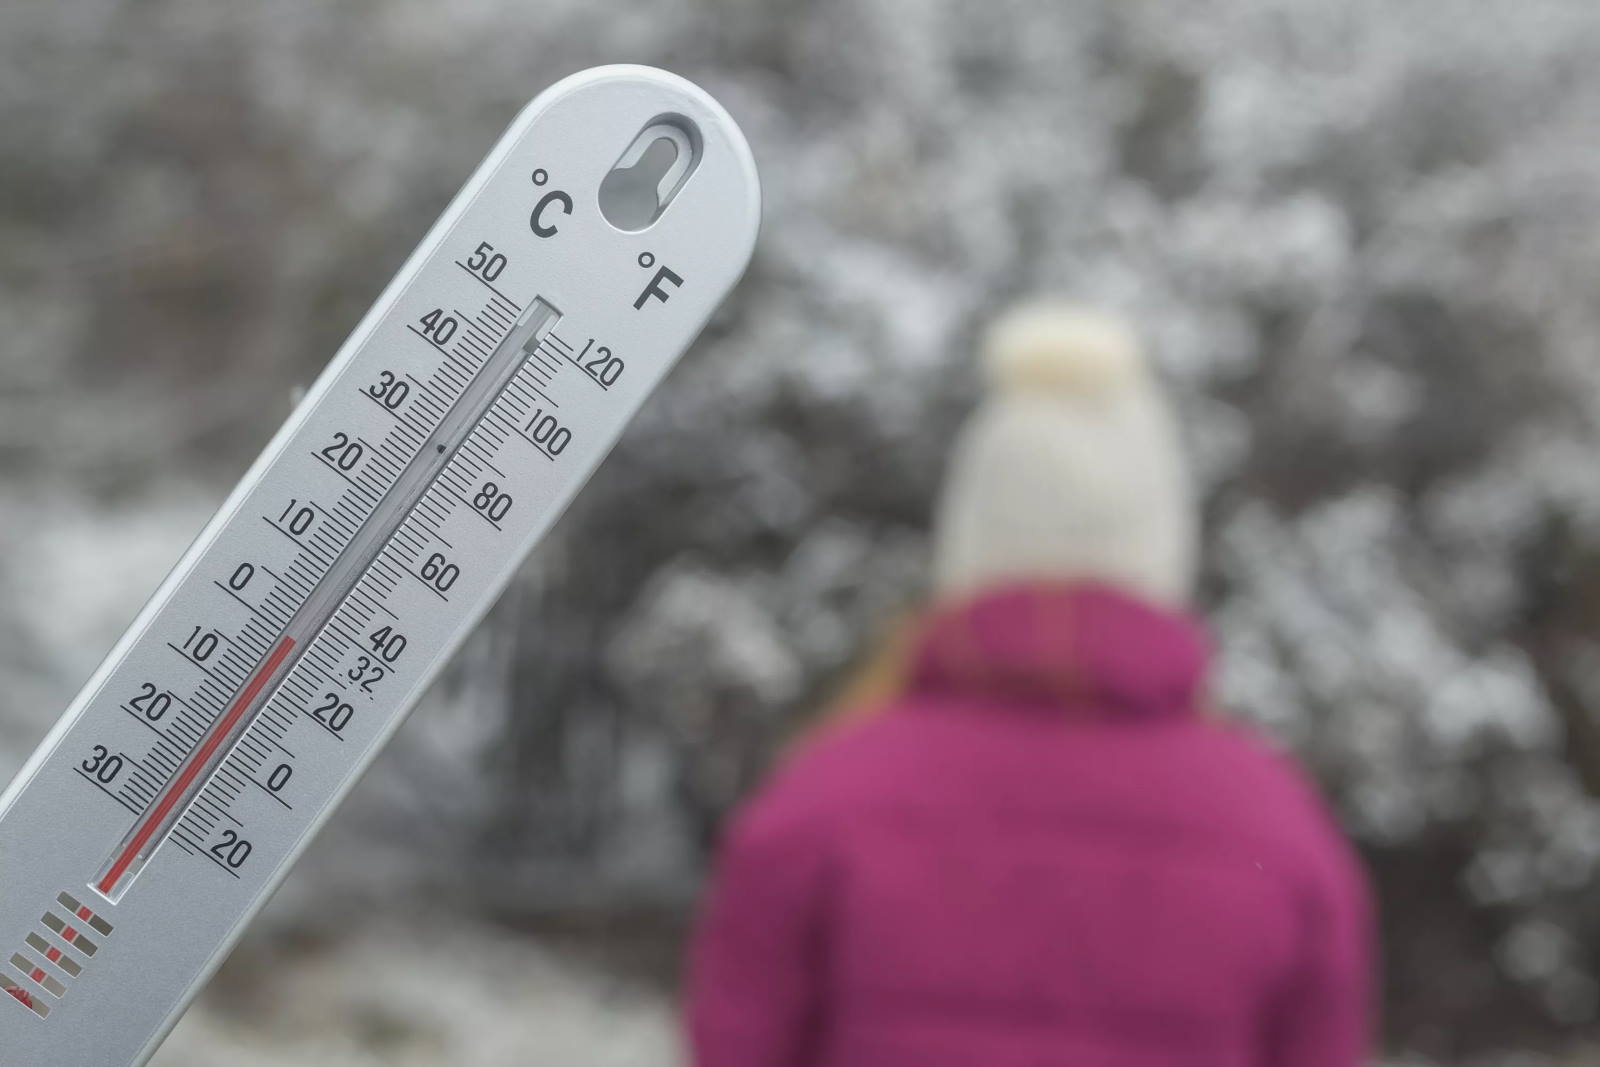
(1363, 238)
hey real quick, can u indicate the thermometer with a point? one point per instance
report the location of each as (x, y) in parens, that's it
(471, 403)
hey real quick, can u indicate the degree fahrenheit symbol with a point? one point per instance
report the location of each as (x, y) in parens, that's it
(664, 274)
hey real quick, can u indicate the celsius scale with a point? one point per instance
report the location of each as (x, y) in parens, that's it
(471, 403)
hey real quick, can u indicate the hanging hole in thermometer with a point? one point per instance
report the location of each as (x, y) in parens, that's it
(649, 173)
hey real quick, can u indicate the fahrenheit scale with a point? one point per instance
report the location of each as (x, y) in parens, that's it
(471, 403)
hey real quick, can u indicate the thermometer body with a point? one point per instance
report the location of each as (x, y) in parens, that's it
(470, 404)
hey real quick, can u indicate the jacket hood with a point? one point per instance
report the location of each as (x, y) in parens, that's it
(1086, 649)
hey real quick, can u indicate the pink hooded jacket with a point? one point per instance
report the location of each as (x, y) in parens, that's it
(1043, 855)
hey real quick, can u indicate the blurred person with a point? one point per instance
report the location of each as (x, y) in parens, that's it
(1036, 844)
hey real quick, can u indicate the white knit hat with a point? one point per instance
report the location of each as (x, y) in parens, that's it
(1071, 470)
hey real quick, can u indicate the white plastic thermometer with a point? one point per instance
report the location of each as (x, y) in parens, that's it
(471, 403)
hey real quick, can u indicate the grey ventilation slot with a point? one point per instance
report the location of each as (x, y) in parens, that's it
(21, 996)
(69, 966)
(69, 933)
(84, 914)
(36, 974)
